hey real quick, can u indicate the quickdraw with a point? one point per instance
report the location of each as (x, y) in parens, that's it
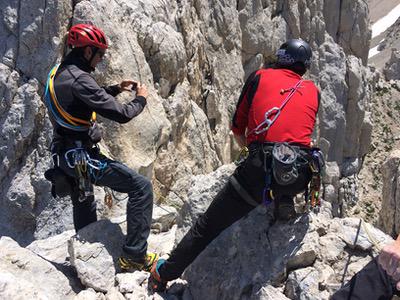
(316, 165)
(86, 168)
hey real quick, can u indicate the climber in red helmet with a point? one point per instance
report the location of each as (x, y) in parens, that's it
(73, 98)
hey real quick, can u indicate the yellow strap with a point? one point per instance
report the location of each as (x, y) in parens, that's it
(70, 119)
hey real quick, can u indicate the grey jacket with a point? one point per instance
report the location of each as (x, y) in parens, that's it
(79, 95)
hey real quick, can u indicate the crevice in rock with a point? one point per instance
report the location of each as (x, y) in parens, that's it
(340, 21)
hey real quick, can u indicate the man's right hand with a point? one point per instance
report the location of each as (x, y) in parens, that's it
(141, 90)
(389, 259)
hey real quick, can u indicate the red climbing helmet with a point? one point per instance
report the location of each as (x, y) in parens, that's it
(82, 35)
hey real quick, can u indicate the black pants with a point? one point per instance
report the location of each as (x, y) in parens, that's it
(121, 179)
(228, 207)
(371, 283)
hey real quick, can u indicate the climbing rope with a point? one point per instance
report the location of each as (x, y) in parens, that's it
(273, 114)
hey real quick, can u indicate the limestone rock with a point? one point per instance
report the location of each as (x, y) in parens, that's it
(94, 252)
(194, 58)
(114, 294)
(164, 217)
(390, 197)
(89, 294)
(392, 67)
(203, 189)
(129, 282)
(54, 249)
(23, 273)
(303, 249)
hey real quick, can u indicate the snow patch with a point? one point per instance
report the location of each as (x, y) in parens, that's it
(374, 51)
(384, 23)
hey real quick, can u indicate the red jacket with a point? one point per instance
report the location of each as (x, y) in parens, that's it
(263, 91)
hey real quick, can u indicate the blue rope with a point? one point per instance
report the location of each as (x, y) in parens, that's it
(56, 116)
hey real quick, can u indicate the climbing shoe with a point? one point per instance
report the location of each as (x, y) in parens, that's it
(156, 284)
(128, 264)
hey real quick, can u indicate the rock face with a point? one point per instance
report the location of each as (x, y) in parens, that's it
(261, 259)
(24, 275)
(306, 257)
(390, 197)
(392, 67)
(194, 57)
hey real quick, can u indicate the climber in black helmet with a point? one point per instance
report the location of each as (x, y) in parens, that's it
(275, 115)
(73, 98)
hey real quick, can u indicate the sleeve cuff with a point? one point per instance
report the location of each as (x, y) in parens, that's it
(142, 100)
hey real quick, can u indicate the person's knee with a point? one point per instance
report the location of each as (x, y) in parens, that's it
(143, 187)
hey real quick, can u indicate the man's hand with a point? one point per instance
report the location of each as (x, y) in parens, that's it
(389, 259)
(141, 90)
(127, 85)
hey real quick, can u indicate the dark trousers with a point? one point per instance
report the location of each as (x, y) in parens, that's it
(122, 179)
(371, 283)
(228, 207)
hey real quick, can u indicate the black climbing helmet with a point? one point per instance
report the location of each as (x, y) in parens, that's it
(294, 51)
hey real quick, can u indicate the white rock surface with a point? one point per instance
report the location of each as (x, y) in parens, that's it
(24, 274)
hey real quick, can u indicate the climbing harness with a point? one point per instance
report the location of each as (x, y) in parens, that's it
(87, 169)
(269, 118)
(63, 118)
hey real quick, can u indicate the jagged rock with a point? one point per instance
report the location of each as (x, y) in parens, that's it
(390, 210)
(302, 244)
(331, 180)
(89, 294)
(203, 189)
(354, 33)
(164, 217)
(25, 273)
(194, 58)
(94, 252)
(54, 249)
(305, 254)
(164, 242)
(114, 294)
(130, 282)
(303, 282)
(392, 67)
(358, 100)
(269, 292)
(334, 93)
(13, 287)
